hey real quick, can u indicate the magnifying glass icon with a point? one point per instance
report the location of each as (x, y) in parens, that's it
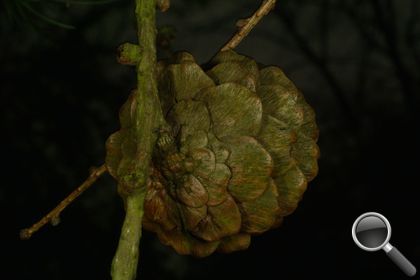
(371, 232)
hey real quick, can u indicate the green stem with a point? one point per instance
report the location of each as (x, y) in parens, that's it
(124, 264)
(146, 119)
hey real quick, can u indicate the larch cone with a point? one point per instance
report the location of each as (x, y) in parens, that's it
(238, 156)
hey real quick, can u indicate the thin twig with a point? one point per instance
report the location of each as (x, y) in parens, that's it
(54, 214)
(246, 25)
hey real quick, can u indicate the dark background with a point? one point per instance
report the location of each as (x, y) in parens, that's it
(357, 62)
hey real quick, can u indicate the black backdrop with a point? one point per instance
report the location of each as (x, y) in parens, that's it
(357, 62)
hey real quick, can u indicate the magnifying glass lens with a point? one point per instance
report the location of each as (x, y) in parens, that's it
(371, 232)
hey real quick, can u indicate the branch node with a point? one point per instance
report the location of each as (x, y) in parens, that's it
(128, 54)
(246, 25)
(163, 5)
(55, 221)
(242, 22)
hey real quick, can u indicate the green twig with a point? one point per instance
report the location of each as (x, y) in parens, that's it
(146, 118)
(124, 264)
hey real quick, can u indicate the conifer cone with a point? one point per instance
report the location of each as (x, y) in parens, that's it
(236, 160)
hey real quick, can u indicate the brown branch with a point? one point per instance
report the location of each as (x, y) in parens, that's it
(246, 25)
(54, 214)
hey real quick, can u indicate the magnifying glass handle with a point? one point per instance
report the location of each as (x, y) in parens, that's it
(401, 261)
